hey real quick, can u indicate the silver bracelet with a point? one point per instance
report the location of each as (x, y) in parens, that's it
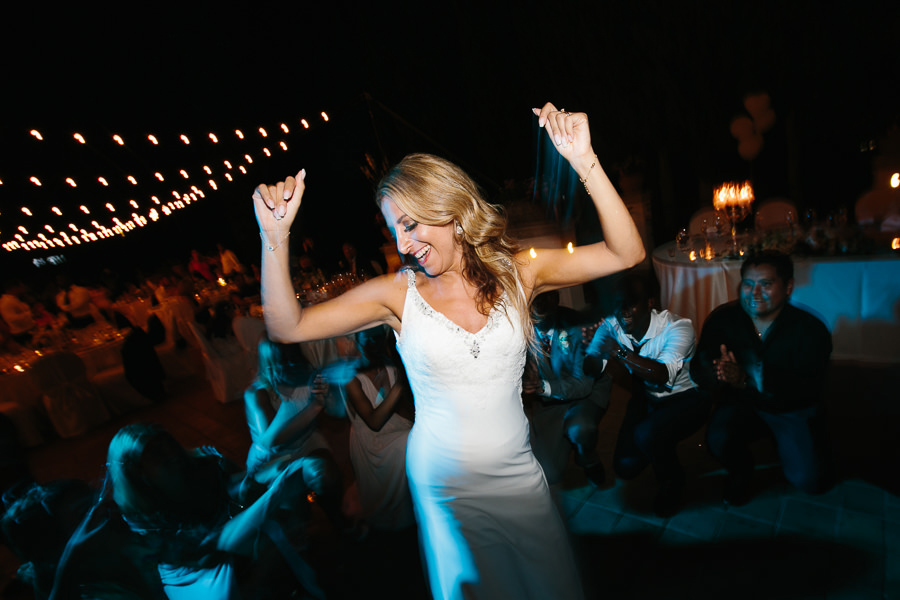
(269, 246)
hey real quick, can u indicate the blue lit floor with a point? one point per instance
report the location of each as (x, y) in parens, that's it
(783, 544)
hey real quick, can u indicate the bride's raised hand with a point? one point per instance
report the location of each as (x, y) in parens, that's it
(569, 133)
(276, 206)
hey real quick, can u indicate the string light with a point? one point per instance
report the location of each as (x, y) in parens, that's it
(144, 215)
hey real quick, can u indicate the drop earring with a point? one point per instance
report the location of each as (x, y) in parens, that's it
(459, 230)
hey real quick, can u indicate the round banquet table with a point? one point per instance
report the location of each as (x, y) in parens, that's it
(857, 297)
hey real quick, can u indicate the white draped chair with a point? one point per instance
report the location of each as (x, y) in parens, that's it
(227, 367)
(249, 331)
(72, 402)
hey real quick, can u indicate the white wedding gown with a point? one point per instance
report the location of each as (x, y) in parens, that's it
(488, 526)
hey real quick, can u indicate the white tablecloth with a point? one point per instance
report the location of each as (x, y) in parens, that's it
(857, 297)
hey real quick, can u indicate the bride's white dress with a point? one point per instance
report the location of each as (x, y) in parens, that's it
(488, 525)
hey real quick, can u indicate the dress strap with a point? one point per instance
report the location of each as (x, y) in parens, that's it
(410, 278)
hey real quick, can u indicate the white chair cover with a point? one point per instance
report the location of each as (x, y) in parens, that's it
(71, 400)
(249, 331)
(227, 367)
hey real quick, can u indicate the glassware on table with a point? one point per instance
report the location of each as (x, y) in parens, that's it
(683, 239)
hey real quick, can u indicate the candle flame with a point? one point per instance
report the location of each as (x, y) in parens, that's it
(733, 195)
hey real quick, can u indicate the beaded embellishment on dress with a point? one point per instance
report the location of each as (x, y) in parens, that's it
(472, 340)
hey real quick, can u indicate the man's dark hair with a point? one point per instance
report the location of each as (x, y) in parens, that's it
(784, 266)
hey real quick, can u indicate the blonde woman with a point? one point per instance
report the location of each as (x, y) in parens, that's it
(487, 523)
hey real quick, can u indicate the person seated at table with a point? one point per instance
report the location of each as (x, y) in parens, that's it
(199, 266)
(282, 406)
(655, 348)
(204, 541)
(356, 263)
(7, 344)
(16, 313)
(75, 301)
(564, 403)
(307, 275)
(244, 293)
(379, 405)
(765, 360)
(229, 263)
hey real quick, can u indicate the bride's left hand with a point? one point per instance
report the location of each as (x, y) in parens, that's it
(569, 132)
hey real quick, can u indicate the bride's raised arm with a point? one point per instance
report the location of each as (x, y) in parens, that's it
(622, 247)
(372, 303)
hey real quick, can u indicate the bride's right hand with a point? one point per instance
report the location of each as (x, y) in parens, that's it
(276, 205)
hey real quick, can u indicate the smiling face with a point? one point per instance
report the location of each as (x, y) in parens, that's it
(763, 292)
(433, 247)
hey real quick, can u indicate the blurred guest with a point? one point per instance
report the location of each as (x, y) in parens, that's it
(7, 343)
(142, 366)
(565, 404)
(36, 525)
(282, 406)
(207, 544)
(199, 266)
(352, 262)
(308, 276)
(42, 317)
(16, 313)
(231, 266)
(75, 301)
(655, 348)
(765, 361)
(379, 406)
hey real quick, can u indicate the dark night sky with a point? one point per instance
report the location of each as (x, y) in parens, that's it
(660, 80)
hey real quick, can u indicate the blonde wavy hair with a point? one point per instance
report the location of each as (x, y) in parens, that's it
(434, 191)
